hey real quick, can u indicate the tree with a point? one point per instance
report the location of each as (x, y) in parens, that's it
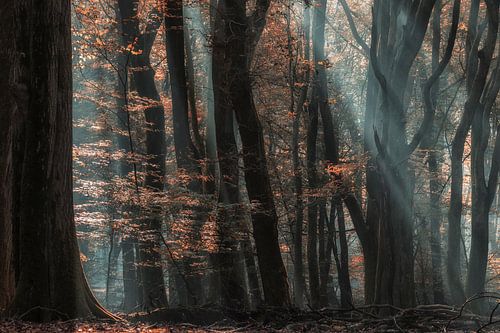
(139, 45)
(242, 35)
(229, 212)
(187, 154)
(480, 99)
(298, 272)
(8, 106)
(389, 265)
(483, 188)
(430, 144)
(50, 283)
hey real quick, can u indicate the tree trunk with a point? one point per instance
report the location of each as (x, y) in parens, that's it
(229, 213)
(346, 300)
(480, 99)
(187, 154)
(8, 107)
(390, 189)
(252, 274)
(324, 257)
(298, 273)
(430, 144)
(139, 46)
(51, 282)
(483, 188)
(264, 218)
(312, 204)
(131, 295)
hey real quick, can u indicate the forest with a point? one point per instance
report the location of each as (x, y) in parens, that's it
(249, 165)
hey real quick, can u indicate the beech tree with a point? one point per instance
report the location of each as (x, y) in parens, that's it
(139, 45)
(49, 280)
(240, 44)
(232, 154)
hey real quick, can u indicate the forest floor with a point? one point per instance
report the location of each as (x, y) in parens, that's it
(428, 318)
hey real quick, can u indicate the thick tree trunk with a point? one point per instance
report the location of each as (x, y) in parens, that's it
(131, 295)
(264, 218)
(51, 283)
(483, 187)
(390, 188)
(8, 107)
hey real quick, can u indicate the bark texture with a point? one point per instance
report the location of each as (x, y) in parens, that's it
(50, 281)
(242, 36)
(139, 46)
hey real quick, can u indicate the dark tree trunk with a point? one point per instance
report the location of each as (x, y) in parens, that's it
(241, 47)
(229, 211)
(344, 276)
(298, 267)
(8, 107)
(252, 274)
(390, 187)
(331, 145)
(51, 284)
(131, 297)
(483, 188)
(139, 46)
(324, 257)
(312, 205)
(318, 104)
(429, 144)
(480, 99)
(187, 155)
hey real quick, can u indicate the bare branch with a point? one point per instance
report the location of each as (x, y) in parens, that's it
(354, 30)
(430, 109)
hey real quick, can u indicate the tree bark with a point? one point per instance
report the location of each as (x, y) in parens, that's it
(51, 283)
(480, 99)
(8, 107)
(298, 109)
(139, 45)
(187, 154)
(241, 47)
(483, 189)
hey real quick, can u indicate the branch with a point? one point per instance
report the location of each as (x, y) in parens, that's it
(147, 38)
(257, 22)
(356, 213)
(354, 30)
(430, 109)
